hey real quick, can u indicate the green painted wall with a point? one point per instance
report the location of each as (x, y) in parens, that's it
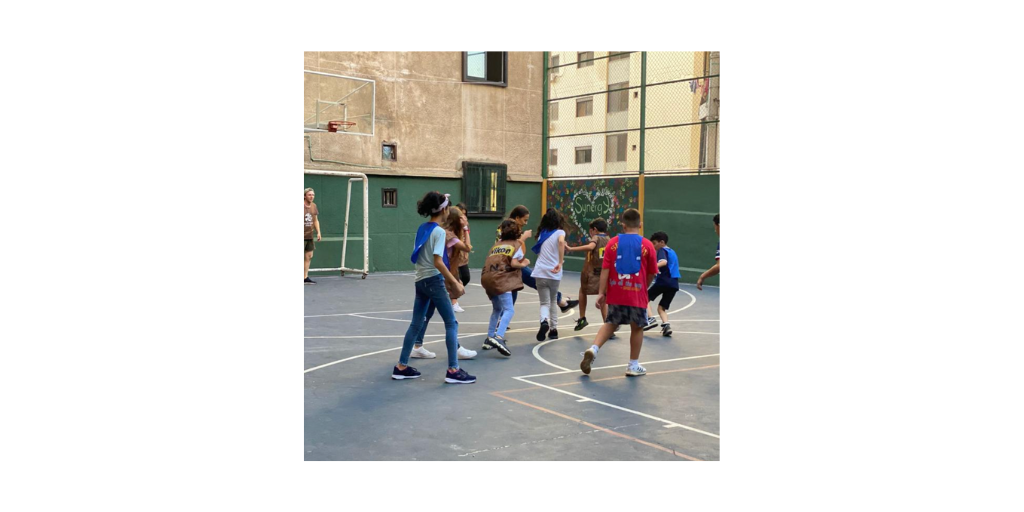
(682, 207)
(392, 229)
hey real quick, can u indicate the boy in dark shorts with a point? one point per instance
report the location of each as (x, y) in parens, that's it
(666, 284)
(590, 277)
(626, 273)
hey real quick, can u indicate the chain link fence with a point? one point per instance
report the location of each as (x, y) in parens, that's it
(624, 113)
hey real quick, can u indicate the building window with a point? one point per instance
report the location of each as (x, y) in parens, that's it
(581, 56)
(618, 101)
(553, 111)
(489, 68)
(615, 148)
(555, 61)
(553, 157)
(584, 106)
(389, 152)
(389, 198)
(583, 155)
(483, 189)
(618, 56)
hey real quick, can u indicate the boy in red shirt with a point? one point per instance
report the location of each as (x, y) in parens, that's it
(627, 271)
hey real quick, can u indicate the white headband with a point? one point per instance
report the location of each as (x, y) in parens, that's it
(443, 205)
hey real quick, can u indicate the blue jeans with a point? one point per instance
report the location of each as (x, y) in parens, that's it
(426, 322)
(501, 315)
(528, 280)
(431, 291)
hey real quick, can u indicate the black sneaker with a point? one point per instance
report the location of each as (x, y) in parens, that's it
(459, 377)
(553, 335)
(309, 281)
(666, 330)
(501, 347)
(581, 324)
(543, 332)
(569, 304)
(651, 324)
(489, 343)
(408, 373)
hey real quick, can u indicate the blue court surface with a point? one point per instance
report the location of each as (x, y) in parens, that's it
(534, 405)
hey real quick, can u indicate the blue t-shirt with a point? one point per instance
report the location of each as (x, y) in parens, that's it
(425, 261)
(665, 278)
(718, 251)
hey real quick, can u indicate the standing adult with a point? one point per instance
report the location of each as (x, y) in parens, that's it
(311, 220)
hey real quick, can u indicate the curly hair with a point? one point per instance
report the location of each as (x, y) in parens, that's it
(431, 200)
(510, 230)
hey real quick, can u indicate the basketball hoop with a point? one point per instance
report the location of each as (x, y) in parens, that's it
(332, 126)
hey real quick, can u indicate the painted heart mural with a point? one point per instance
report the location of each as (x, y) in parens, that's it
(584, 200)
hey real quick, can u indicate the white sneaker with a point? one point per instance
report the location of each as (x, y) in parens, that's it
(465, 353)
(457, 308)
(423, 353)
(636, 371)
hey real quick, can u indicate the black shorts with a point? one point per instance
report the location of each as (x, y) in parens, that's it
(464, 274)
(667, 294)
(625, 315)
(310, 246)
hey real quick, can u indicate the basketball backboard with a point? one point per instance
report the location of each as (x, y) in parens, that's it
(345, 100)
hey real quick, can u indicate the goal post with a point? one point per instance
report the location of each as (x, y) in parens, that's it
(353, 176)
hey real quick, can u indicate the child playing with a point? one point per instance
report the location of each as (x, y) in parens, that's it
(521, 215)
(590, 278)
(713, 271)
(666, 284)
(457, 242)
(550, 251)
(501, 276)
(628, 269)
(456, 251)
(432, 274)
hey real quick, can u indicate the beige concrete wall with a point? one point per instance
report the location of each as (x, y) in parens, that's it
(436, 120)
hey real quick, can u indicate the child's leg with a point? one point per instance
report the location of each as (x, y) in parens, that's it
(439, 296)
(636, 340)
(418, 325)
(507, 312)
(426, 321)
(662, 314)
(496, 307)
(553, 292)
(583, 303)
(545, 298)
(604, 311)
(604, 333)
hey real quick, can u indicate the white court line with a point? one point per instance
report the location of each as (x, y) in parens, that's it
(394, 311)
(466, 322)
(461, 337)
(355, 337)
(613, 406)
(616, 366)
(536, 349)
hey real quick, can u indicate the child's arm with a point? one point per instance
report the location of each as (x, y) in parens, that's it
(316, 224)
(587, 247)
(526, 235)
(439, 265)
(662, 263)
(602, 289)
(521, 262)
(713, 271)
(561, 254)
(462, 246)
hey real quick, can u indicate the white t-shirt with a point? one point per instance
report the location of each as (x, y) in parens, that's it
(548, 258)
(425, 261)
